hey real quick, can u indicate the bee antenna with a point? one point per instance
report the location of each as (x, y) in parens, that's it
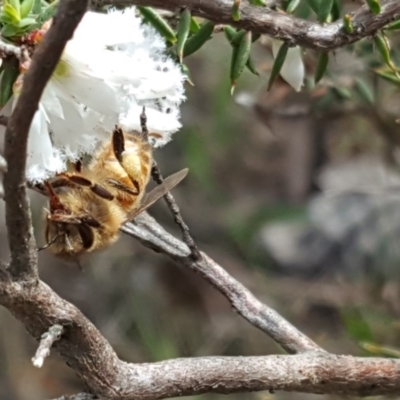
(143, 124)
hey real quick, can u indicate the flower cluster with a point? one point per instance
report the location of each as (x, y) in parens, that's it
(112, 67)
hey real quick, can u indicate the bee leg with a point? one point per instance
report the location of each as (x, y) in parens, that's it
(61, 182)
(118, 142)
(75, 220)
(74, 257)
(120, 186)
(87, 236)
(94, 187)
(52, 241)
(37, 187)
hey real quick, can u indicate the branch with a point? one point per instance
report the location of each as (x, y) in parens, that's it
(46, 341)
(80, 396)
(171, 203)
(7, 50)
(278, 24)
(152, 235)
(18, 217)
(3, 120)
(88, 353)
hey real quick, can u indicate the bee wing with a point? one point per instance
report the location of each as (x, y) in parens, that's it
(158, 192)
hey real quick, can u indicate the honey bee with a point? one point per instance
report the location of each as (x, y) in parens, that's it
(88, 206)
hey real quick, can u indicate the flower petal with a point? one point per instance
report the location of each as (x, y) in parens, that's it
(292, 70)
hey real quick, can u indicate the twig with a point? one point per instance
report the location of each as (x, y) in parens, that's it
(18, 218)
(154, 236)
(279, 25)
(7, 50)
(46, 341)
(169, 199)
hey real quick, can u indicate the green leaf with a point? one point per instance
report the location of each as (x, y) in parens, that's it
(324, 10)
(364, 90)
(48, 12)
(229, 33)
(336, 10)
(186, 71)
(183, 32)
(26, 22)
(194, 25)
(6, 19)
(321, 66)
(380, 350)
(348, 23)
(314, 5)
(10, 74)
(196, 41)
(292, 6)
(236, 10)
(393, 26)
(234, 39)
(356, 325)
(26, 8)
(342, 93)
(16, 5)
(10, 12)
(240, 58)
(9, 30)
(260, 3)
(388, 75)
(383, 46)
(251, 67)
(278, 63)
(160, 24)
(374, 6)
(37, 6)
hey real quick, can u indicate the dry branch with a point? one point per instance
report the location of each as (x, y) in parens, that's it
(90, 355)
(278, 25)
(7, 50)
(83, 347)
(3, 120)
(18, 217)
(154, 236)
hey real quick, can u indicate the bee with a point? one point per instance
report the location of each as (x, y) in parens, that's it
(88, 206)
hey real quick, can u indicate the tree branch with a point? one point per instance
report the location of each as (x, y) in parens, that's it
(3, 120)
(7, 50)
(18, 217)
(154, 236)
(92, 358)
(279, 25)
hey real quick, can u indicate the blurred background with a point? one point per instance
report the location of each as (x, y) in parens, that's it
(296, 195)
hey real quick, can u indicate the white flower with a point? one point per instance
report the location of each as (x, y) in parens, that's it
(112, 67)
(292, 70)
